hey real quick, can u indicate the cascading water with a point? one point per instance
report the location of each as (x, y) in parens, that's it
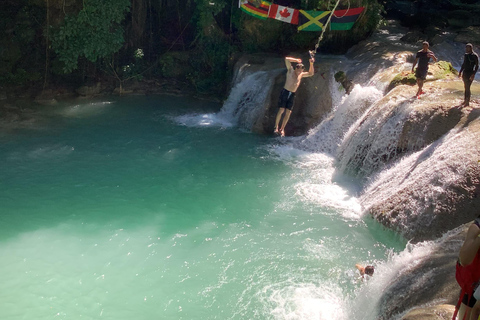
(248, 97)
(152, 209)
(362, 133)
(372, 140)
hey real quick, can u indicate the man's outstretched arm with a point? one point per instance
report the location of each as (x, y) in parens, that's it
(311, 70)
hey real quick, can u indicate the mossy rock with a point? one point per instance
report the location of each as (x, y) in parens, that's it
(340, 76)
(402, 78)
(441, 70)
(438, 71)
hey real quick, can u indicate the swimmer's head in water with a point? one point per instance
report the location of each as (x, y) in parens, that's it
(369, 270)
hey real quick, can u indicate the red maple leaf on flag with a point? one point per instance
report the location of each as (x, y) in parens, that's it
(284, 13)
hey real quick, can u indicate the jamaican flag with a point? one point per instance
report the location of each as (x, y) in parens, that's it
(312, 20)
(344, 19)
(315, 20)
(256, 8)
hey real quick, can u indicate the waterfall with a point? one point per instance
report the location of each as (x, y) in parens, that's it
(328, 135)
(372, 140)
(249, 97)
(418, 183)
(418, 187)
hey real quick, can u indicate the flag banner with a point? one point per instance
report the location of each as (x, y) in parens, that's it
(255, 8)
(312, 20)
(284, 14)
(345, 19)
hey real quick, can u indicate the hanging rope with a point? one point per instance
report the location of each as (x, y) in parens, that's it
(325, 27)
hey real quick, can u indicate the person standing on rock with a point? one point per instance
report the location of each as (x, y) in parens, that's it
(287, 96)
(468, 70)
(423, 57)
(467, 271)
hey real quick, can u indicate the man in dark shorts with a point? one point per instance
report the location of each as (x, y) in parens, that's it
(468, 70)
(423, 57)
(287, 96)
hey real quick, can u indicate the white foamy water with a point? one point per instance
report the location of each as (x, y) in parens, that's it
(328, 136)
(425, 175)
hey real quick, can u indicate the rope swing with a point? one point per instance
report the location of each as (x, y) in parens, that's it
(313, 52)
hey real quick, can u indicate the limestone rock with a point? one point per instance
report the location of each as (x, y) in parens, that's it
(432, 279)
(441, 70)
(437, 312)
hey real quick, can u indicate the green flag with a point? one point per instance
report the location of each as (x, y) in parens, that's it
(312, 20)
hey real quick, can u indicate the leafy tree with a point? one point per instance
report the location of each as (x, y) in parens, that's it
(94, 33)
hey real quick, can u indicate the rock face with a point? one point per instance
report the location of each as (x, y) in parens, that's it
(434, 190)
(438, 312)
(430, 280)
(313, 98)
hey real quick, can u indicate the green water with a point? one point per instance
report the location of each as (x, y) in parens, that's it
(113, 209)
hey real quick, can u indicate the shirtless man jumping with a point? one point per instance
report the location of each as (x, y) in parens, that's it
(287, 96)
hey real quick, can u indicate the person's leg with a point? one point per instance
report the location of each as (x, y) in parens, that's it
(277, 119)
(475, 312)
(467, 84)
(285, 120)
(420, 86)
(463, 312)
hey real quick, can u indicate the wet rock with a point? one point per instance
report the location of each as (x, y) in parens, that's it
(431, 279)
(414, 37)
(90, 90)
(438, 312)
(312, 102)
(441, 70)
(441, 182)
(346, 83)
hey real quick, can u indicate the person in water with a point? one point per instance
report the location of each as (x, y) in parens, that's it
(287, 96)
(423, 57)
(468, 70)
(368, 270)
(468, 271)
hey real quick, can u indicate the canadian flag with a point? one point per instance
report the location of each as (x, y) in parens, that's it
(284, 14)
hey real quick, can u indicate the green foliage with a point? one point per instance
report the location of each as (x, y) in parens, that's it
(19, 77)
(95, 32)
(18, 42)
(134, 70)
(213, 49)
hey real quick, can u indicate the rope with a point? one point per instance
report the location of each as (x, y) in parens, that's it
(325, 27)
(345, 11)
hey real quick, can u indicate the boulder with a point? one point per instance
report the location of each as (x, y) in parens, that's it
(432, 279)
(90, 90)
(437, 312)
(441, 70)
